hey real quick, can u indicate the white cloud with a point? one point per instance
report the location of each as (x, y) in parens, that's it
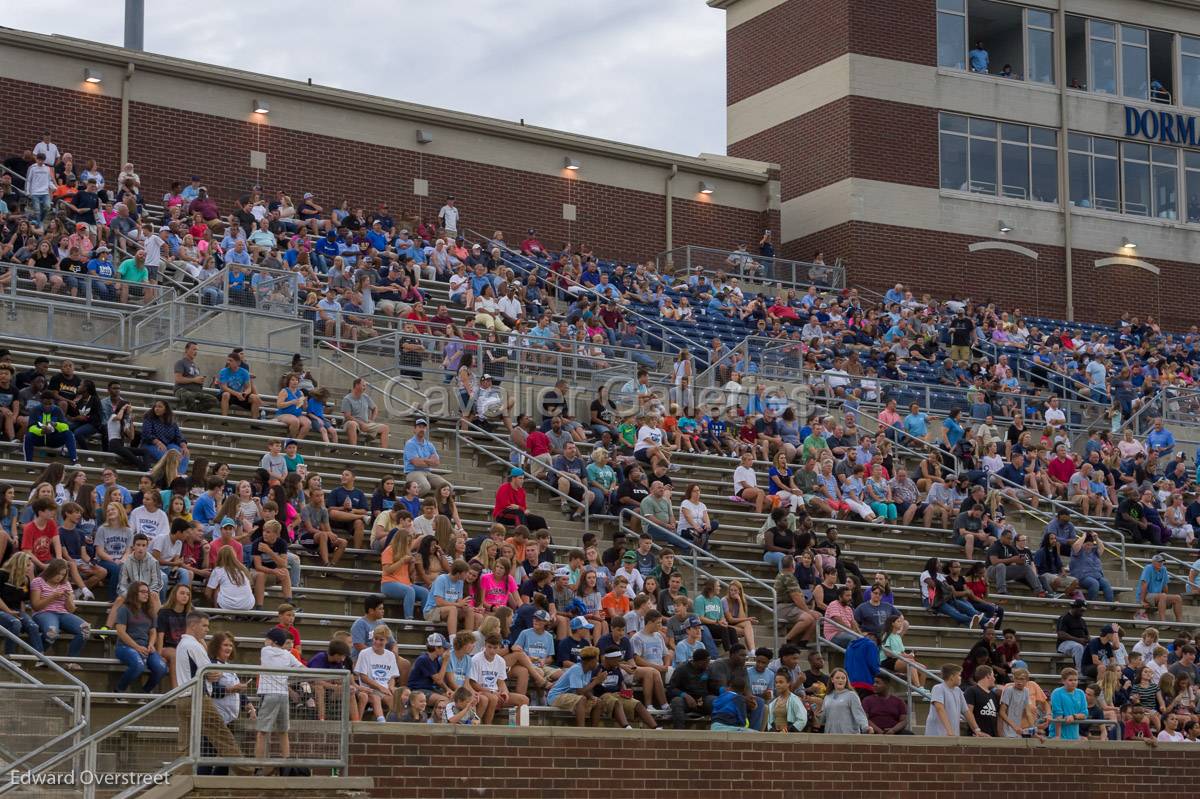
(648, 72)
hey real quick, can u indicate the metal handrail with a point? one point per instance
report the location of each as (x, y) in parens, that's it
(80, 713)
(910, 689)
(770, 265)
(363, 365)
(459, 439)
(530, 266)
(163, 294)
(696, 553)
(195, 689)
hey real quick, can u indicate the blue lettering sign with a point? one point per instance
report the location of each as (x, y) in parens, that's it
(1166, 126)
(1185, 129)
(1133, 122)
(1161, 126)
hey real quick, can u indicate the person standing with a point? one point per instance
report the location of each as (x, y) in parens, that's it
(948, 705)
(190, 658)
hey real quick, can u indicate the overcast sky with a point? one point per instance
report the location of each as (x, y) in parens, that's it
(648, 72)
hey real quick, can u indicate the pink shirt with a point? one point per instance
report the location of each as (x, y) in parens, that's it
(496, 592)
(1061, 469)
(840, 613)
(59, 605)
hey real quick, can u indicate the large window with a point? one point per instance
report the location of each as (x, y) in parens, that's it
(1189, 60)
(996, 38)
(952, 33)
(999, 159)
(1102, 55)
(1133, 178)
(1123, 60)
(1093, 173)
(1135, 62)
(1191, 165)
(1039, 34)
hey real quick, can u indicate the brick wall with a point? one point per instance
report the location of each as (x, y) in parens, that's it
(530, 763)
(792, 38)
(852, 136)
(938, 262)
(166, 144)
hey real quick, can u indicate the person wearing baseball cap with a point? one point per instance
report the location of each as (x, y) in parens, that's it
(1072, 632)
(423, 676)
(421, 458)
(532, 655)
(273, 708)
(574, 690)
(510, 505)
(567, 652)
(693, 689)
(1152, 590)
(226, 537)
(615, 695)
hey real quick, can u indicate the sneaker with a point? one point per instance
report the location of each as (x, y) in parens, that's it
(674, 467)
(664, 708)
(975, 620)
(1141, 616)
(991, 622)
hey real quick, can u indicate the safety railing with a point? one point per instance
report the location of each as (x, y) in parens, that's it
(91, 290)
(516, 458)
(207, 722)
(528, 266)
(62, 710)
(774, 273)
(64, 323)
(910, 690)
(700, 560)
(387, 399)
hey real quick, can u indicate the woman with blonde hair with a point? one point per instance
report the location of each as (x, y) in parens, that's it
(737, 613)
(489, 553)
(15, 606)
(231, 586)
(166, 469)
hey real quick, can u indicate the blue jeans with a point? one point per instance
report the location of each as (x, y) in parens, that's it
(408, 594)
(1091, 585)
(775, 559)
(15, 624)
(957, 609)
(39, 206)
(51, 623)
(113, 569)
(53, 441)
(136, 665)
(154, 453)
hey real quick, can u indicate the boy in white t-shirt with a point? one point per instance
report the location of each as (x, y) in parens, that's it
(462, 709)
(273, 714)
(487, 676)
(377, 672)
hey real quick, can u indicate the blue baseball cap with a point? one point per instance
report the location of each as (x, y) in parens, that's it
(581, 623)
(228, 522)
(516, 472)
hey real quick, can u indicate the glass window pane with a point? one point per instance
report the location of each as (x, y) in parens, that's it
(951, 5)
(1041, 56)
(1079, 169)
(1104, 146)
(983, 127)
(1166, 190)
(1133, 35)
(1045, 175)
(1189, 45)
(1191, 159)
(1010, 132)
(1080, 142)
(1137, 189)
(983, 166)
(1104, 67)
(1165, 155)
(1193, 195)
(954, 162)
(1044, 136)
(1135, 71)
(1105, 30)
(952, 41)
(1014, 171)
(1043, 19)
(1136, 152)
(1191, 81)
(1105, 193)
(954, 122)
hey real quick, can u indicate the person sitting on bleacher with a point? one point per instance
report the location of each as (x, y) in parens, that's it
(48, 428)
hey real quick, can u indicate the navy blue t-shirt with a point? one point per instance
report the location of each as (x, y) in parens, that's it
(423, 671)
(358, 500)
(568, 649)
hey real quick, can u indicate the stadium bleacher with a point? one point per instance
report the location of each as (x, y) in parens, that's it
(1108, 379)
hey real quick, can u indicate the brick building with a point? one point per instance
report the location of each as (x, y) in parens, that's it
(174, 118)
(913, 153)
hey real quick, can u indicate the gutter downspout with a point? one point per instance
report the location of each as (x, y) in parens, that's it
(129, 69)
(668, 196)
(1064, 187)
